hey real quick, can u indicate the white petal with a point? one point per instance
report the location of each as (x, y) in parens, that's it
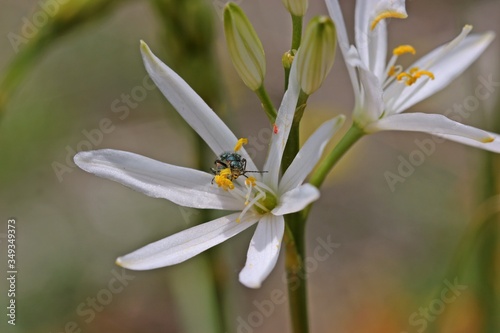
(186, 244)
(371, 105)
(183, 186)
(446, 68)
(363, 16)
(283, 124)
(428, 123)
(372, 43)
(378, 50)
(342, 38)
(493, 146)
(263, 251)
(309, 154)
(296, 199)
(192, 107)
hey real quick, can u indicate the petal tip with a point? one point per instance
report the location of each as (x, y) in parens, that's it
(143, 45)
(249, 283)
(119, 262)
(81, 157)
(488, 139)
(146, 51)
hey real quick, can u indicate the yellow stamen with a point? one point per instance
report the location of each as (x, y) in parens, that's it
(223, 179)
(413, 70)
(250, 181)
(387, 14)
(402, 49)
(413, 74)
(240, 143)
(409, 78)
(391, 71)
(250, 184)
(418, 74)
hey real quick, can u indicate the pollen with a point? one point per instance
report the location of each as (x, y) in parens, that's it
(413, 75)
(385, 15)
(240, 143)
(223, 180)
(250, 181)
(402, 49)
(392, 71)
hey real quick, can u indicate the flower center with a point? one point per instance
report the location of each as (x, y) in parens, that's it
(257, 196)
(396, 72)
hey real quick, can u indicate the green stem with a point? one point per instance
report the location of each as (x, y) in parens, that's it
(19, 68)
(296, 32)
(489, 240)
(267, 104)
(318, 177)
(296, 273)
(295, 235)
(350, 138)
(293, 143)
(296, 40)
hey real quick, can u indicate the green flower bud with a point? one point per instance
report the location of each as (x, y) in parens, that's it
(244, 46)
(287, 59)
(317, 53)
(296, 7)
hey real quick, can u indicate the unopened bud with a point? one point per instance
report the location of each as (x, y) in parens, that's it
(296, 7)
(287, 59)
(317, 53)
(245, 48)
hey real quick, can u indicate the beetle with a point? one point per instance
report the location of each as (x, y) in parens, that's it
(235, 162)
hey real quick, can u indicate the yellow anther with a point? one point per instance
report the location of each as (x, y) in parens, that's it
(418, 74)
(413, 75)
(225, 173)
(409, 78)
(413, 70)
(387, 14)
(240, 143)
(392, 71)
(250, 181)
(488, 139)
(238, 220)
(402, 49)
(223, 179)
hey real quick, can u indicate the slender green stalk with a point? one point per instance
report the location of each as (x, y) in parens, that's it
(69, 16)
(296, 40)
(489, 240)
(296, 32)
(267, 104)
(293, 143)
(349, 139)
(296, 273)
(19, 68)
(296, 223)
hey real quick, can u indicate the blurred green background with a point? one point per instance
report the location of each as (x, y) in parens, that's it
(396, 249)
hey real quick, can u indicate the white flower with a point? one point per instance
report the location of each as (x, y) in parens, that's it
(264, 198)
(384, 90)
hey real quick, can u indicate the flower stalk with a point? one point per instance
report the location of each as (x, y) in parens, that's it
(296, 273)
